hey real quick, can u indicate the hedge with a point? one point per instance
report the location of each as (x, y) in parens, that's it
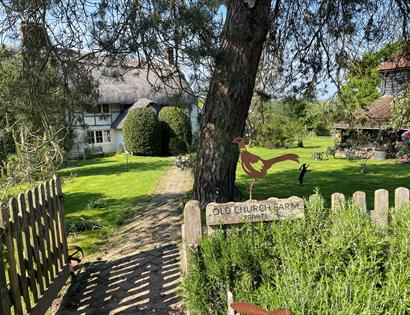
(176, 130)
(142, 133)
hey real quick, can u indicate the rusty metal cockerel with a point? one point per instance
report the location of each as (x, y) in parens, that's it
(255, 166)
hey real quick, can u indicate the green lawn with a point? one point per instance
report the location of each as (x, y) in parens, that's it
(333, 175)
(108, 181)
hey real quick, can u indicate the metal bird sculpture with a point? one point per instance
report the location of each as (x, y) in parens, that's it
(248, 308)
(255, 166)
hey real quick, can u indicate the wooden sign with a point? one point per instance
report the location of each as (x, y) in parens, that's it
(254, 211)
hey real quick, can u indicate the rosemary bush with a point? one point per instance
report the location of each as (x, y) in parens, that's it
(325, 264)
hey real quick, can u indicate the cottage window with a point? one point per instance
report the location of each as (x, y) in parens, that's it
(104, 108)
(99, 136)
(90, 137)
(107, 135)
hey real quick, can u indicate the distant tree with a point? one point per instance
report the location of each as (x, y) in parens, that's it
(38, 102)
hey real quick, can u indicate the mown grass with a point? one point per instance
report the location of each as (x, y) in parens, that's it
(332, 175)
(325, 264)
(100, 190)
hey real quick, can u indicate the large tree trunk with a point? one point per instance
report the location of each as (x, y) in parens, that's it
(228, 100)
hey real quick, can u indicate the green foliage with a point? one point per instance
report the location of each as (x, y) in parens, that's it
(38, 95)
(81, 225)
(142, 132)
(96, 203)
(7, 146)
(325, 264)
(176, 130)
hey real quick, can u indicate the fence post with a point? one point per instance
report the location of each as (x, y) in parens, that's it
(381, 208)
(10, 253)
(5, 303)
(338, 201)
(61, 216)
(359, 198)
(401, 197)
(192, 221)
(192, 230)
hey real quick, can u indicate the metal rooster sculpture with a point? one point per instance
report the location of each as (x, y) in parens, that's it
(255, 166)
(247, 308)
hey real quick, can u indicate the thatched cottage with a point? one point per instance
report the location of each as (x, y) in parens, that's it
(122, 90)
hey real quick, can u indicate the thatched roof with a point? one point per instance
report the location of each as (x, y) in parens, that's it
(127, 84)
(379, 111)
(141, 103)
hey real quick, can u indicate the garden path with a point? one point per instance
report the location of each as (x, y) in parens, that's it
(138, 272)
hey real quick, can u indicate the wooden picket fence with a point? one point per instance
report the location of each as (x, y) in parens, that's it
(192, 228)
(33, 250)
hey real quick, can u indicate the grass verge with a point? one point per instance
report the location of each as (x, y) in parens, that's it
(98, 191)
(332, 175)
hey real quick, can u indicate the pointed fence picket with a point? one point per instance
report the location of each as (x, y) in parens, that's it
(33, 250)
(192, 226)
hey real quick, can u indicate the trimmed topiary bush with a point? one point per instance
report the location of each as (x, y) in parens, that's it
(176, 130)
(142, 132)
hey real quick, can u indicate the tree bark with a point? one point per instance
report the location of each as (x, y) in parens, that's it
(228, 100)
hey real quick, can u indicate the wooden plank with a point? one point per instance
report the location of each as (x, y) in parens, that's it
(12, 263)
(401, 197)
(254, 211)
(57, 229)
(5, 303)
(30, 281)
(359, 198)
(61, 216)
(52, 291)
(381, 207)
(192, 221)
(17, 235)
(42, 244)
(46, 232)
(51, 228)
(32, 218)
(337, 202)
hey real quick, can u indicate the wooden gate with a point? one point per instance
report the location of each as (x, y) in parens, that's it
(33, 250)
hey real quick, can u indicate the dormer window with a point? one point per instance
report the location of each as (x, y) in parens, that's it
(103, 108)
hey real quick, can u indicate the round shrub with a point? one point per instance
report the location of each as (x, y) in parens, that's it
(176, 130)
(142, 132)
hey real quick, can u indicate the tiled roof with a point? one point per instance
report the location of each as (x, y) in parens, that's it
(401, 63)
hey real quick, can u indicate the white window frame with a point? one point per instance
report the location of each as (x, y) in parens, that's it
(105, 136)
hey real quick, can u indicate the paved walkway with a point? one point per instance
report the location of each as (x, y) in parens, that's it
(138, 272)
